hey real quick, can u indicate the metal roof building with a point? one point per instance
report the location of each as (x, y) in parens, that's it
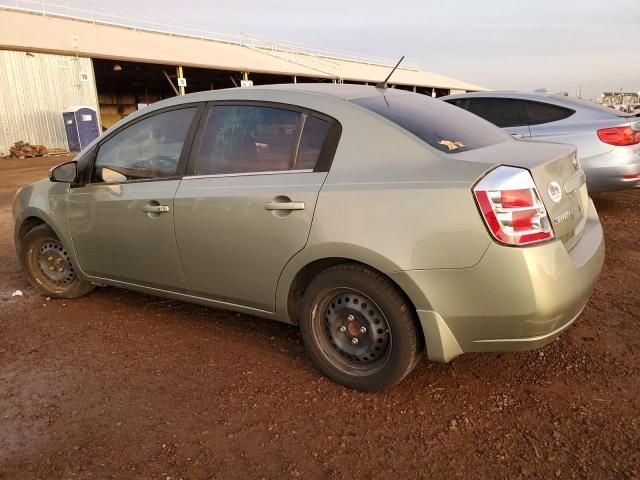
(53, 55)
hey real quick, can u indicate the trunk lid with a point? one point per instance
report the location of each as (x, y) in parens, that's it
(559, 179)
(562, 185)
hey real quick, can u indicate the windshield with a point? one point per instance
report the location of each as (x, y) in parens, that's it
(445, 127)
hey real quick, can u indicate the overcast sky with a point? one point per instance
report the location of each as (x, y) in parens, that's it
(500, 44)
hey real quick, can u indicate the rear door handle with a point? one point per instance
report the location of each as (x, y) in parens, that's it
(284, 206)
(155, 209)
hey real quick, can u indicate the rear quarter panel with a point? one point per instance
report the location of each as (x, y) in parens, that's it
(582, 135)
(389, 193)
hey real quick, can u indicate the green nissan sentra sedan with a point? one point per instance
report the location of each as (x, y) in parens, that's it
(384, 223)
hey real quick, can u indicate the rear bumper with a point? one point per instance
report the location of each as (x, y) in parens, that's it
(605, 173)
(513, 299)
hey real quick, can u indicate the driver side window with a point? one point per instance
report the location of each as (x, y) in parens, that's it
(147, 149)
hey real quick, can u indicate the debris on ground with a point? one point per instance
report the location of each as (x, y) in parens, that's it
(17, 293)
(26, 150)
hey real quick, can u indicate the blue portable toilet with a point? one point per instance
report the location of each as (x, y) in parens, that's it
(81, 124)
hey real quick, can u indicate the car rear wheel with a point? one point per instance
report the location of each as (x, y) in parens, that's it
(358, 328)
(48, 265)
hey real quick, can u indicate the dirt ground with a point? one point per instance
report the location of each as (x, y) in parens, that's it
(128, 386)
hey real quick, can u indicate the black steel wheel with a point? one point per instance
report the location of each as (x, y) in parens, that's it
(49, 266)
(358, 328)
(356, 332)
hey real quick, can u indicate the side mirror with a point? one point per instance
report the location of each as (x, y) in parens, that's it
(66, 172)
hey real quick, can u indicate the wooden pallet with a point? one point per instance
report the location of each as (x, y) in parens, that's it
(53, 152)
(30, 155)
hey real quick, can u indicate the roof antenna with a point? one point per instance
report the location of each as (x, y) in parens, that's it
(383, 85)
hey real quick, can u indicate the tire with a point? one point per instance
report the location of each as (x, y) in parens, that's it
(48, 266)
(338, 304)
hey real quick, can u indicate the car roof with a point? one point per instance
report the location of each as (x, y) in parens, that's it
(299, 93)
(341, 91)
(307, 95)
(338, 91)
(331, 91)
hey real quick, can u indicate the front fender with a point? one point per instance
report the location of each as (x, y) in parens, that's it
(47, 202)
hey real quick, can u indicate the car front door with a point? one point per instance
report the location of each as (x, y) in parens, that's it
(122, 218)
(248, 205)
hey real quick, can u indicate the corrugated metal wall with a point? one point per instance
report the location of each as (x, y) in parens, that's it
(34, 90)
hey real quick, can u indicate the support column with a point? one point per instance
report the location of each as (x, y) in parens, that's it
(415, 89)
(295, 79)
(433, 92)
(180, 75)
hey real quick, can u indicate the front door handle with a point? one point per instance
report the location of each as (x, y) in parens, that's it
(284, 206)
(155, 209)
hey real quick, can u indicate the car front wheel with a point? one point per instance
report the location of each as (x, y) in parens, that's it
(358, 328)
(48, 265)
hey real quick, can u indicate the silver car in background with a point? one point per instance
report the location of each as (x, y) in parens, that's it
(608, 141)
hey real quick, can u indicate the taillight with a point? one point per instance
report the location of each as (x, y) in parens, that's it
(619, 136)
(512, 208)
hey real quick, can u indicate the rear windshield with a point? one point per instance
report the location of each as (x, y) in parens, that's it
(443, 126)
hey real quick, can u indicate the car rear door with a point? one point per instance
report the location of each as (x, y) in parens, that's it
(122, 219)
(505, 113)
(246, 209)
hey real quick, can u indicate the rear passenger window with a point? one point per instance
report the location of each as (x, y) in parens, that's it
(538, 113)
(313, 139)
(243, 139)
(503, 112)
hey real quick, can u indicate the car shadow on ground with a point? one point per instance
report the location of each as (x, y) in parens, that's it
(182, 319)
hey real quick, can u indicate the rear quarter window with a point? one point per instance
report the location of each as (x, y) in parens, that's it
(447, 128)
(502, 112)
(538, 113)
